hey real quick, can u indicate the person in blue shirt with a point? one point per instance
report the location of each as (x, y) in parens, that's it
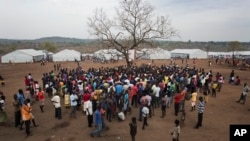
(125, 102)
(118, 91)
(20, 97)
(98, 122)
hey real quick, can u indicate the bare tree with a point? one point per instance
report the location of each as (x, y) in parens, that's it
(234, 46)
(133, 25)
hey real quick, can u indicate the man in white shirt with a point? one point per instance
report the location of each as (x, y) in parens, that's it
(57, 104)
(89, 112)
(156, 92)
(145, 112)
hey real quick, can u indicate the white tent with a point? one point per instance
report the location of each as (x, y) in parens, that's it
(188, 53)
(67, 55)
(237, 54)
(155, 53)
(107, 54)
(242, 54)
(219, 54)
(46, 54)
(22, 56)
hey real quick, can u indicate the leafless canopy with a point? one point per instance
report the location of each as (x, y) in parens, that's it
(134, 24)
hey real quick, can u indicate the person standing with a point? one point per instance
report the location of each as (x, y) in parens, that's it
(20, 97)
(98, 122)
(163, 106)
(176, 131)
(17, 110)
(89, 111)
(40, 96)
(133, 128)
(243, 95)
(32, 116)
(220, 82)
(156, 92)
(145, 112)
(201, 108)
(231, 78)
(183, 99)
(206, 91)
(73, 104)
(25, 110)
(193, 100)
(214, 87)
(56, 101)
(134, 92)
(125, 102)
(177, 100)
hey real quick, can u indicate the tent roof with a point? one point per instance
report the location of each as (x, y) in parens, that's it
(186, 51)
(156, 53)
(30, 52)
(69, 51)
(108, 51)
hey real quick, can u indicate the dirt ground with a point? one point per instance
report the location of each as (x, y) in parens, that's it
(219, 113)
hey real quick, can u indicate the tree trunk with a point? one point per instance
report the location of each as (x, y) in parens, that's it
(129, 63)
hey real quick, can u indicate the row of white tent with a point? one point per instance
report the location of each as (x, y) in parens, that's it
(238, 54)
(32, 55)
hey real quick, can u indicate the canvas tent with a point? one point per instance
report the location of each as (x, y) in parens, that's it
(23, 56)
(46, 54)
(188, 53)
(219, 54)
(87, 56)
(66, 55)
(155, 53)
(242, 54)
(237, 54)
(107, 54)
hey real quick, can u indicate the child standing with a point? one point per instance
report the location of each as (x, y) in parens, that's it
(133, 128)
(176, 130)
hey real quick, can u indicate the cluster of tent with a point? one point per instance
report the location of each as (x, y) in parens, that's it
(237, 54)
(32, 55)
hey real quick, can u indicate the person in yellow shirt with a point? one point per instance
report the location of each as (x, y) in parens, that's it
(193, 100)
(214, 88)
(98, 92)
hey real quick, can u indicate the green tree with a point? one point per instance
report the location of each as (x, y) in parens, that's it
(12, 47)
(134, 24)
(49, 46)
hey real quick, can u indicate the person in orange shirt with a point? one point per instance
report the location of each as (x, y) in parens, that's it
(40, 96)
(183, 98)
(26, 116)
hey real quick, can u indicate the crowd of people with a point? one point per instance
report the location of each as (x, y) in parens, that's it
(107, 94)
(112, 93)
